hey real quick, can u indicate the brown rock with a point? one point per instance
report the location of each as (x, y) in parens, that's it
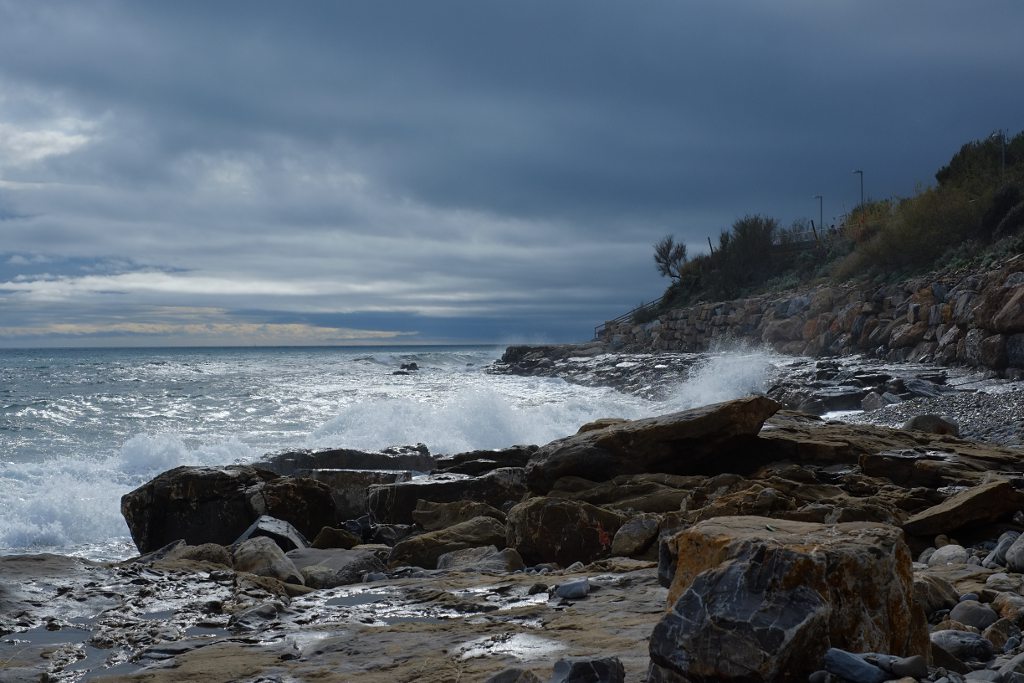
(978, 505)
(562, 531)
(423, 550)
(1010, 318)
(394, 503)
(432, 516)
(776, 594)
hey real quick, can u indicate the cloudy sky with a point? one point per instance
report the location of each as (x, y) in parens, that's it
(196, 172)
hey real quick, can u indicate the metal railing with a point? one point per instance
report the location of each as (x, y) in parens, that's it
(599, 330)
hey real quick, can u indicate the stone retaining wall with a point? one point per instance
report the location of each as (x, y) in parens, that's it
(974, 319)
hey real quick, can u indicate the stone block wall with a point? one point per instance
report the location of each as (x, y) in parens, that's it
(974, 319)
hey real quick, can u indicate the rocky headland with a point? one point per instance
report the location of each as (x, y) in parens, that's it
(951, 317)
(742, 541)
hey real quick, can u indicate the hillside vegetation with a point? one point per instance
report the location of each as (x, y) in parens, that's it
(973, 213)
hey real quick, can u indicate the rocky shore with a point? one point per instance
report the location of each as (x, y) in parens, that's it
(751, 540)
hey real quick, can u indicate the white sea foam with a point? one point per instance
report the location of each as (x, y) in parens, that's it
(724, 376)
(472, 419)
(69, 502)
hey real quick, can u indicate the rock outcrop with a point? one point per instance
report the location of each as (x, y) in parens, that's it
(773, 596)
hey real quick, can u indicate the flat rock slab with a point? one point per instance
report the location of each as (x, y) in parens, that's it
(678, 443)
(980, 504)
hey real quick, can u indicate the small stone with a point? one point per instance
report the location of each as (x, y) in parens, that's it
(573, 590)
(821, 676)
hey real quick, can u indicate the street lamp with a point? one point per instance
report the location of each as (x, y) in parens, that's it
(1002, 145)
(861, 174)
(821, 213)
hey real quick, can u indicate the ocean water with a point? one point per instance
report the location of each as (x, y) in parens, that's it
(81, 427)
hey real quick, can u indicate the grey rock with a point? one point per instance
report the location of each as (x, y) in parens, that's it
(984, 675)
(963, 645)
(514, 675)
(933, 424)
(997, 558)
(277, 530)
(636, 535)
(973, 613)
(263, 557)
(914, 666)
(1015, 555)
(573, 590)
(486, 558)
(603, 670)
(853, 667)
(329, 568)
(948, 554)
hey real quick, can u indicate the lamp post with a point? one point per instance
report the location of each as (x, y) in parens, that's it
(821, 213)
(861, 174)
(1002, 149)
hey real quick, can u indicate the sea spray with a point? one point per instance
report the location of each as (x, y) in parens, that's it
(723, 376)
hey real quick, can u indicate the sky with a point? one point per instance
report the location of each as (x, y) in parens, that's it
(404, 172)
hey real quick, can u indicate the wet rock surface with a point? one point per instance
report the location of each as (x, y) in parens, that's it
(862, 547)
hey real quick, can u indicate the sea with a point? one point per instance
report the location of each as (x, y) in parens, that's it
(81, 427)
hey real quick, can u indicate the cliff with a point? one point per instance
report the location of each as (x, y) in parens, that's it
(950, 318)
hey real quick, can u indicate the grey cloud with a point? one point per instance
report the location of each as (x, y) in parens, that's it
(525, 153)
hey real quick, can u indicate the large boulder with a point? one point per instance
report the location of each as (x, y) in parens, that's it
(679, 443)
(217, 505)
(776, 595)
(198, 504)
(562, 531)
(394, 503)
(423, 550)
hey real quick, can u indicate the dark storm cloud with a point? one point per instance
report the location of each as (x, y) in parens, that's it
(451, 161)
